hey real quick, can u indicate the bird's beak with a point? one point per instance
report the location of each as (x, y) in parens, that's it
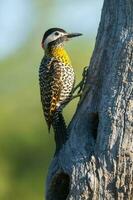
(71, 35)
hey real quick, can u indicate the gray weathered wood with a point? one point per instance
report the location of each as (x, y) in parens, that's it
(97, 160)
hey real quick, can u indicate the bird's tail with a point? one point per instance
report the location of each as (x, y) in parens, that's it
(60, 130)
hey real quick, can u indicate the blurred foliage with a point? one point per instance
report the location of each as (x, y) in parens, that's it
(26, 148)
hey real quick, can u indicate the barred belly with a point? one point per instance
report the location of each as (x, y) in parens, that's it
(67, 80)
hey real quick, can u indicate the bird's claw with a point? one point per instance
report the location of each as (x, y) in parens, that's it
(81, 84)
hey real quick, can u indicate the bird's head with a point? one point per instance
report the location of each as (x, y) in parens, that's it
(56, 37)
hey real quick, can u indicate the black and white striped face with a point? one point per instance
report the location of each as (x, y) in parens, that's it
(56, 36)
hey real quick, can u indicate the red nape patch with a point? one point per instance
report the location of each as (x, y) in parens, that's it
(42, 45)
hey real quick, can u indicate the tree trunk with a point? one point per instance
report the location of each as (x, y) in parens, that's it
(96, 161)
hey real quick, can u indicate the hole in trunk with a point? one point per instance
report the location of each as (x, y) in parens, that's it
(93, 123)
(60, 186)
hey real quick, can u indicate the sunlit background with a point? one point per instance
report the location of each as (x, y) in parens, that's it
(26, 148)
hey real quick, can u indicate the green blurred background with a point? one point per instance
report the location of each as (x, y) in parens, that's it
(26, 148)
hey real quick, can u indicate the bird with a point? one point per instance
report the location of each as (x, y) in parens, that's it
(56, 80)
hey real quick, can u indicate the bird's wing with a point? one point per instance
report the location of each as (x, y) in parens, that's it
(50, 88)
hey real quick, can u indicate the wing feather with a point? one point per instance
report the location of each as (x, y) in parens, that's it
(50, 88)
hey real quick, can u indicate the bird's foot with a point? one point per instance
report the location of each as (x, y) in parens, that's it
(80, 85)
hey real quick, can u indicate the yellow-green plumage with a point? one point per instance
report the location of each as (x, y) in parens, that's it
(57, 80)
(60, 54)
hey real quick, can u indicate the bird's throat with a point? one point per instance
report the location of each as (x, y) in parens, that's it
(60, 54)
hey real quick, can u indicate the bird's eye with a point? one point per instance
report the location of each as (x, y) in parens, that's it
(56, 33)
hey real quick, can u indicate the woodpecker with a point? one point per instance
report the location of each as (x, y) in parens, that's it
(56, 78)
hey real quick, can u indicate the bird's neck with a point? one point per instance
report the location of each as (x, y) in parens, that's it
(59, 53)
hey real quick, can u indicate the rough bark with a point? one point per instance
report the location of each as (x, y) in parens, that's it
(97, 160)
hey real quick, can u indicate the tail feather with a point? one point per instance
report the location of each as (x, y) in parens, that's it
(60, 130)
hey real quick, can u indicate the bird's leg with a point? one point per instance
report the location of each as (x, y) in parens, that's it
(80, 85)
